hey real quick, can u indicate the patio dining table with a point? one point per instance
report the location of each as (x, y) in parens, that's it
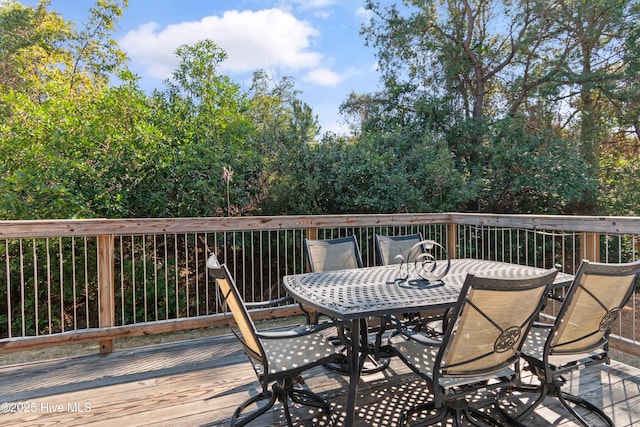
(357, 294)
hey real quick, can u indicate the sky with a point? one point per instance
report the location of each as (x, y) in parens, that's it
(317, 42)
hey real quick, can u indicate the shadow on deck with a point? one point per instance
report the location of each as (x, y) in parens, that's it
(201, 381)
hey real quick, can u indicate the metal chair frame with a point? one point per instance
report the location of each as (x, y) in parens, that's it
(479, 349)
(578, 338)
(340, 254)
(277, 357)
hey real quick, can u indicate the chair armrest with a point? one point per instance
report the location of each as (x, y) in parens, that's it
(270, 303)
(411, 334)
(297, 332)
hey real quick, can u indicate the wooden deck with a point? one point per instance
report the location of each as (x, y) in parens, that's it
(201, 381)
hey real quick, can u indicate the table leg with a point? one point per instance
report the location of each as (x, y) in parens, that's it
(356, 361)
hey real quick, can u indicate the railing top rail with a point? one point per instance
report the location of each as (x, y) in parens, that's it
(593, 224)
(92, 227)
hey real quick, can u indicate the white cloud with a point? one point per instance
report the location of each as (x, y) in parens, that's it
(324, 77)
(315, 4)
(252, 39)
(323, 14)
(363, 13)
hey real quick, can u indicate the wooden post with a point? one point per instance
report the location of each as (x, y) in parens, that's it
(452, 241)
(311, 233)
(106, 294)
(590, 247)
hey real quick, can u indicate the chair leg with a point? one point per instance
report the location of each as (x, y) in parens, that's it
(551, 390)
(540, 391)
(301, 397)
(372, 364)
(287, 413)
(471, 414)
(281, 391)
(308, 398)
(458, 410)
(564, 397)
(440, 415)
(255, 399)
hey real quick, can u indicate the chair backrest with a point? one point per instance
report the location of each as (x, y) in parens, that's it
(333, 254)
(232, 301)
(388, 247)
(489, 324)
(592, 304)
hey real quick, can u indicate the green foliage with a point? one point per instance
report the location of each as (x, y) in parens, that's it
(73, 156)
(203, 118)
(367, 175)
(532, 173)
(566, 71)
(62, 143)
(619, 183)
(96, 55)
(285, 129)
(74, 145)
(32, 49)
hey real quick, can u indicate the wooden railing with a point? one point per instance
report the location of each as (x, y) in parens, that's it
(70, 281)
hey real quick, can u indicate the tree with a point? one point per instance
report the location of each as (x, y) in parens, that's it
(466, 48)
(558, 68)
(203, 117)
(32, 48)
(596, 30)
(286, 131)
(532, 173)
(96, 54)
(65, 148)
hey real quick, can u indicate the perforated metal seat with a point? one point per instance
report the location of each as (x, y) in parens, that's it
(277, 357)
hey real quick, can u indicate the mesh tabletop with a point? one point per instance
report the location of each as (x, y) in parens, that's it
(374, 291)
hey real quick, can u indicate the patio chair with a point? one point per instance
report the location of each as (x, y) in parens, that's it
(333, 254)
(479, 349)
(389, 247)
(578, 338)
(338, 254)
(277, 357)
(328, 255)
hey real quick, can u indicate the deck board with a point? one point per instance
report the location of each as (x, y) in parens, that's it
(200, 382)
